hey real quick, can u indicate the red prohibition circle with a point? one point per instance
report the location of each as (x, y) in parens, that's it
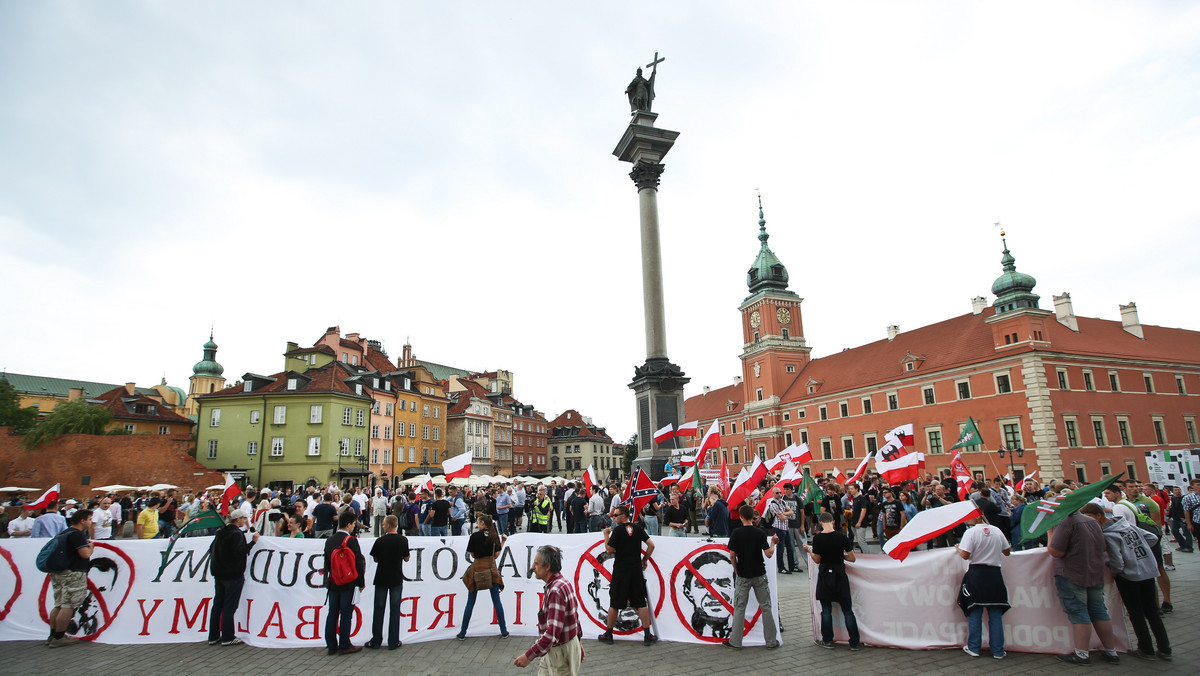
(7, 556)
(107, 615)
(591, 560)
(685, 563)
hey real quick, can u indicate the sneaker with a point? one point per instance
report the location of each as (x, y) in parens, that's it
(233, 641)
(461, 637)
(970, 652)
(351, 650)
(828, 645)
(504, 634)
(999, 656)
(394, 647)
(61, 642)
(727, 644)
(1110, 659)
(1168, 567)
(1149, 657)
(856, 647)
(371, 645)
(1072, 658)
(1167, 608)
(1164, 656)
(213, 641)
(606, 637)
(649, 639)
(786, 572)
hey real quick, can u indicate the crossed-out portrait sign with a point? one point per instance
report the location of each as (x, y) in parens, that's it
(702, 593)
(10, 582)
(109, 582)
(593, 577)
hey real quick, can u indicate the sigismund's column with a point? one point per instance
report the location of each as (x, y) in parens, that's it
(657, 384)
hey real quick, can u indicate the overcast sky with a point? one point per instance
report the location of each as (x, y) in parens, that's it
(444, 172)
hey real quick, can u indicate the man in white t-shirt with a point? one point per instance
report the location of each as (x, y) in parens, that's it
(22, 526)
(983, 588)
(102, 521)
(114, 508)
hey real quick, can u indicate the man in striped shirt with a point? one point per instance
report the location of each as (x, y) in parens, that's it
(558, 620)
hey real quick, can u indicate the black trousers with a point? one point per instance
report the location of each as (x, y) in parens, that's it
(1141, 602)
(227, 594)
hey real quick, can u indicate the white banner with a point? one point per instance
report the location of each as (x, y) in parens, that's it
(689, 581)
(914, 603)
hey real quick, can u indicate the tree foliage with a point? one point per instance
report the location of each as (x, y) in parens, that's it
(73, 417)
(631, 452)
(11, 414)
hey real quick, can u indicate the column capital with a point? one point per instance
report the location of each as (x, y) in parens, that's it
(646, 175)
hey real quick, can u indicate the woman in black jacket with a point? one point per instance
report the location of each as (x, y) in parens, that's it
(484, 545)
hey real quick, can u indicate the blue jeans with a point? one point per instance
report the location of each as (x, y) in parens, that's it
(227, 593)
(439, 531)
(466, 620)
(384, 595)
(424, 529)
(594, 524)
(995, 630)
(503, 524)
(785, 543)
(456, 526)
(651, 525)
(1182, 534)
(340, 619)
(847, 615)
(580, 525)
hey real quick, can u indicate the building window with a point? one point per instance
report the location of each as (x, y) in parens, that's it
(1062, 380)
(762, 452)
(358, 444)
(929, 398)
(360, 417)
(1072, 433)
(214, 418)
(387, 432)
(1087, 382)
(758, 394)
(212, 449)
(314, 445)
(733, 427)
(1160, 434)
(1081, 473)
(374, 431)
(1179, 385)
(1105, 469)
(1098, 428)
(387, 409)
(893, 401)
(436, 431)
(412, 453)
(412, 406)
(344, 446)
(1149, 379)
(280, 415)
(436, 412)
(374, 456)
(964, 389)
(1003, 384)
(761, 424)
(1012, 435)
(314, 413)
(425, 432)
(346, 415)
(1131, 471)
(1123, 430)
(935, 441)
(844, 409)
(254, 416)
(866, 405)
(787, 438)
(412, 430)
(1113, 382)
(824, 414)
(276, 446)
(786, 334)
(426, 410)
(827, 449)
(872, 445)
(791, 368)
(787, 415)
(129, 428)
(804, 436)
(801, 413)
(1190, 425)
(252, 448)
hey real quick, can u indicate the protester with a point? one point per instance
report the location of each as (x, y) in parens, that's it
(147, 521)
(22, 526)
(340, 618)
(859, 508)
(438, 516)
(558, 620)
(650, 516)
(389, 551)
(295, 526)
(504, 504)
(1078, 547)
(628, 585)
(227, 563)
(747, 548)
(578, 511)
(483, 546)
(517, 513)
(102, 521)
(675, 517)
(830, 550)
(50, 523)
(70, 585)
(1134, 569)
(458, 511)
(379, 510)
(166, 514)
(983, 589)
(543, 507)
(325, 517)
(893, 515)
(595, 510)
(795, 526)
(717, 518)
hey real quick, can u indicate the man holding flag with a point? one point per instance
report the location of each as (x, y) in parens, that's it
(1078, 547)
(227, 563)
(628, 587)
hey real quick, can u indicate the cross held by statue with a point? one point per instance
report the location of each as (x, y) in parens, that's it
(654, 64)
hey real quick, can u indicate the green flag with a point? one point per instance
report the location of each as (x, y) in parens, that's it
(209, 518)
(1039, 517)
(809, 491)
(969, 436)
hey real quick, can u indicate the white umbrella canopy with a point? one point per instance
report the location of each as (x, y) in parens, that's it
(215, 487)
(115, 488)
(498, 479)
(156, 487)
(440, 479)
(18, 489)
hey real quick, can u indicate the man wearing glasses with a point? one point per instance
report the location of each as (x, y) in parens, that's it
(780, 514)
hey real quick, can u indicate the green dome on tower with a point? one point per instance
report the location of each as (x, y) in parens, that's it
(767, 272)
(209, 366)
(1013, 290)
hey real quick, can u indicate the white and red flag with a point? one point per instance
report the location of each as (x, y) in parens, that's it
(927, 525)
(723, 479)
(589, 479)
(711, 440)
(896, 464)
(688, 429)
(782, 458)
(458, 467)
(231, 491)
(664, 434)
(426, 483)
(858, 473)
(790, 475)
(1021, 484)
(745, 485)
(839, 476)
(667, 481)
(800, 454)
(902, 434)
(685, 483)
(963, 477)
(687, 460)
(43, 502)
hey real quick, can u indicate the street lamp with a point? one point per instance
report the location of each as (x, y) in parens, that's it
(1018, 451)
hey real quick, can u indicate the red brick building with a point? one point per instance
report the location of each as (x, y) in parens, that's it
(1080, 396)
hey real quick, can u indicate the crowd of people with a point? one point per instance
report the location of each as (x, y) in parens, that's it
(1127, 531)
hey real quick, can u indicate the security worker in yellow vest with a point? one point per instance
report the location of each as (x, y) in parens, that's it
(542, 507)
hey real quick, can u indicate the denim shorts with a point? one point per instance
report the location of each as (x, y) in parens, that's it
(1084, 605)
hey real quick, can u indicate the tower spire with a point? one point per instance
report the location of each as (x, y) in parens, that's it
(767, 272)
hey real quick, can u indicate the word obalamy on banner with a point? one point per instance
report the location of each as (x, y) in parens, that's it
(913, 603)
(689, 584)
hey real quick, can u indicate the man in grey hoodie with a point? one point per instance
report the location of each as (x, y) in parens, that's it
(1134, 567)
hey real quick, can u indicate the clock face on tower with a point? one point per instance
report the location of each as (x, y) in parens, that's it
(755, 319)
(784, 315)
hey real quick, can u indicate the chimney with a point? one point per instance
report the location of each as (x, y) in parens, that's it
(978, 303)
(893, 331)
(1065, 312)
(1130, 321)
(705, 390)
(129, 387)
(74, 393)
(737, 380)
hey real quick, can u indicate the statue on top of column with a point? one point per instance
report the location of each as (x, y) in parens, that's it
(641, 91)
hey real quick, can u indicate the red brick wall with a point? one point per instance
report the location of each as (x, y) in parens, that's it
(135, 460)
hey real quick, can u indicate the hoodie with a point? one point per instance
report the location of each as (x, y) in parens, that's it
(1129, 554)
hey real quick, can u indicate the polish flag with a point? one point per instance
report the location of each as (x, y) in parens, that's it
(895, 464)
(685, 483)
(1021, 484)
(667, 481)
(458, 467)
(927, 525)
(664, 434)
(858, 473)
(723, 479)
(838, 476)
(426, 484)
(961, 475)
(790, 475)
(711, 440)
(589, 479)
(777, 463)
(231, 491)
(687, 460)
(688, 429)
(800, 454)
(47, 497)
(746, 484)
(903, 435)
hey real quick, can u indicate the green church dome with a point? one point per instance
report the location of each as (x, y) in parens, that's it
(209, 366)
(1013, 290)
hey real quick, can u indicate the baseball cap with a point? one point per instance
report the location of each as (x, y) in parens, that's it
(239, 514)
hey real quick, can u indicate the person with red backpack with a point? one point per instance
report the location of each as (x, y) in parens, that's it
(345, 569)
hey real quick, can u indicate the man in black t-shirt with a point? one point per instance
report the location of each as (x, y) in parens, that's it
(324, 517)
(70, 585)
(747, 547)
(390, 551)
(859, 523)
(578, 506)
(830, 550)
(439, 515)
(628, 588)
